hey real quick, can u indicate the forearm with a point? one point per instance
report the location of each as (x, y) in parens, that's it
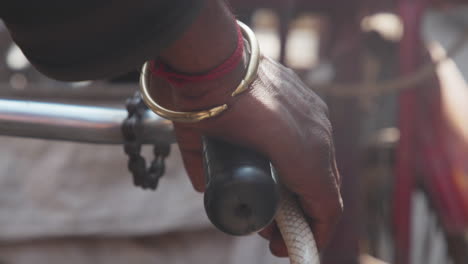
(87, 40)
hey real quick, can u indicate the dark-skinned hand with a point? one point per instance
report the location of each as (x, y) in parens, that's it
(278, 116)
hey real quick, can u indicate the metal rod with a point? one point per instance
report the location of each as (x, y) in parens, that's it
(78, 123)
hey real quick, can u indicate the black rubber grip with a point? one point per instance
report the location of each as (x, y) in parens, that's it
(241, 195)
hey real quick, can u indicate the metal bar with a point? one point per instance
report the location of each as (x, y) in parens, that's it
(78, 123)
(98, 91)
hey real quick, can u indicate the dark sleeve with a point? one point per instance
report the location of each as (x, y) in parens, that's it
(94, 39)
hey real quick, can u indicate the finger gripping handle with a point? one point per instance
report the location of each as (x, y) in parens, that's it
(241, 195)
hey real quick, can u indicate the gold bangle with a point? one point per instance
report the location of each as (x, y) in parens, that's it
(192, 117)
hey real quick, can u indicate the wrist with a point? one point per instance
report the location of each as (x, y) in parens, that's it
(209, 41)
(169, 96)
(188, 96)
(202, 95)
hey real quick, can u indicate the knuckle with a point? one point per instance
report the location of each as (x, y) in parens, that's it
(336, 210)
(323, 106)
(322, 142)
(332, 212)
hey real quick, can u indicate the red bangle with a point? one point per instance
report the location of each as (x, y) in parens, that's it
(160, 69)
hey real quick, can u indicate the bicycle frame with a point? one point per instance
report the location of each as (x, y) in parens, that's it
(77, 123)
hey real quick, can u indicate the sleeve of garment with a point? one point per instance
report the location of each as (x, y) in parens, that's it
(89, 39)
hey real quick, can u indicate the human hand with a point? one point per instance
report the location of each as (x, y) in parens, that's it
(279, 117)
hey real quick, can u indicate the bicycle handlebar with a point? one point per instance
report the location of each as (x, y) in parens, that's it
(77, 123)
(241, 197)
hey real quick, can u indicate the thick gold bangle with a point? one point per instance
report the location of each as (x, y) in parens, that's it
(192, 117)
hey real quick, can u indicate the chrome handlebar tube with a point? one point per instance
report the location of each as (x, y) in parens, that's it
(77, 123)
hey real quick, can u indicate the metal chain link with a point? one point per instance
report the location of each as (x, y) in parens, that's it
(132, 128)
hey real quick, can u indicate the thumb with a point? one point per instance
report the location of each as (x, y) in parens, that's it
(189, 141)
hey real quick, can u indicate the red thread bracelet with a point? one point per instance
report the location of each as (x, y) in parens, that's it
(160, 69)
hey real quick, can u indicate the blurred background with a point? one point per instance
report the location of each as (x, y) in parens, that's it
(393, 74)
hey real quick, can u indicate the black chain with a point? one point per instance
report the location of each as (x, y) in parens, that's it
(132, 129)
